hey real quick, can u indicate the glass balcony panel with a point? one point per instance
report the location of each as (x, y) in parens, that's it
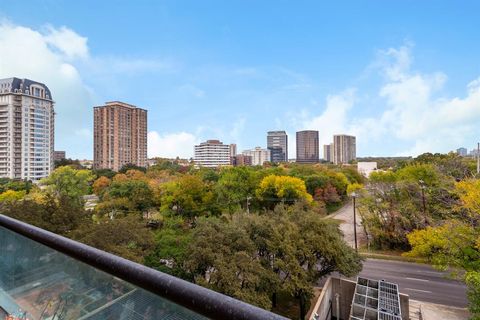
(37, 282)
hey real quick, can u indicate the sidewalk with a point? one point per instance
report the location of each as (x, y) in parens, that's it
(432, 311)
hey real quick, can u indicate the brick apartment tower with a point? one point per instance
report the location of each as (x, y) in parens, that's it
(120, 136)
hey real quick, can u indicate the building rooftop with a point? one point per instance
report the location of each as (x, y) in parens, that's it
(17, 85)
(211, 142)
(120, 103)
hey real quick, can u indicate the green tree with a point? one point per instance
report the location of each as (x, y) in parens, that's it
(75, 164)
(15, 185)
(170, 252)
(450, 164)
(252, 257)
(126, 236)
(306, 249)
(104, 173)
(69, 182)
(138, 192)
(188, 196)
(131, 166)
(234, 186)
(222, 257)
(58, 215)
(399, 202)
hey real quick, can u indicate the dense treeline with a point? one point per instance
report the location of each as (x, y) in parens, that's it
(254, 233)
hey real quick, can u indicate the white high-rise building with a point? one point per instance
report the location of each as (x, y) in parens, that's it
(344, 148)
(26, 129)
(212, 153)
(259, 155)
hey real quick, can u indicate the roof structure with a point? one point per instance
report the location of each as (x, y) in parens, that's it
(17, 85)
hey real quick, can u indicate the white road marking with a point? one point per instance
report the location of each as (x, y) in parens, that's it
(410, 289)
(416, 279)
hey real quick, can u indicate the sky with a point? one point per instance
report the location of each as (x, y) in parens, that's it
(403, 76)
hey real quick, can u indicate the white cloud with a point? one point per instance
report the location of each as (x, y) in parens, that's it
(67, 41)
(58, 57)
(414, 111)
(417, 112)
(46, 57)
(334, 119)
(171, 145)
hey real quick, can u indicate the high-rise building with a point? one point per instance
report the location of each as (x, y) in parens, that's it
(463, 152)
(307, 146)
(344, 148)
(277, 143)
(259, 155)
(26, 129)
(328, 152)
(233, 149)
(59, 155)
(212, 153)
(233, 153)
(120, 136)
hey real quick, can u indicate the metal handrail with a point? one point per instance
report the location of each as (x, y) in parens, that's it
(204, 301)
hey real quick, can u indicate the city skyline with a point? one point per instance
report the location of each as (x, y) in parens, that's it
(209, 75)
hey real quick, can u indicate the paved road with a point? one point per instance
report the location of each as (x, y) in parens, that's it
(421, 282)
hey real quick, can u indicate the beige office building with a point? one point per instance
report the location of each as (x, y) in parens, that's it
(307, 146)
(212, 154)
(344, 148)
(26, 129)
(259, 156)
(120, 136)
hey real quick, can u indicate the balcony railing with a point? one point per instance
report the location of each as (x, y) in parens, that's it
(46, 276)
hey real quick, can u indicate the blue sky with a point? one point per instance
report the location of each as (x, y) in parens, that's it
(401, 75)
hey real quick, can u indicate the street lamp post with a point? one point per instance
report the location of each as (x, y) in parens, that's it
(248, 204)
(354, 195)
(422, 187)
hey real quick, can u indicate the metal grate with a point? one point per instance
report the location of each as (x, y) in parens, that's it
(375, 300)
(387, 316)
(389, 300)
